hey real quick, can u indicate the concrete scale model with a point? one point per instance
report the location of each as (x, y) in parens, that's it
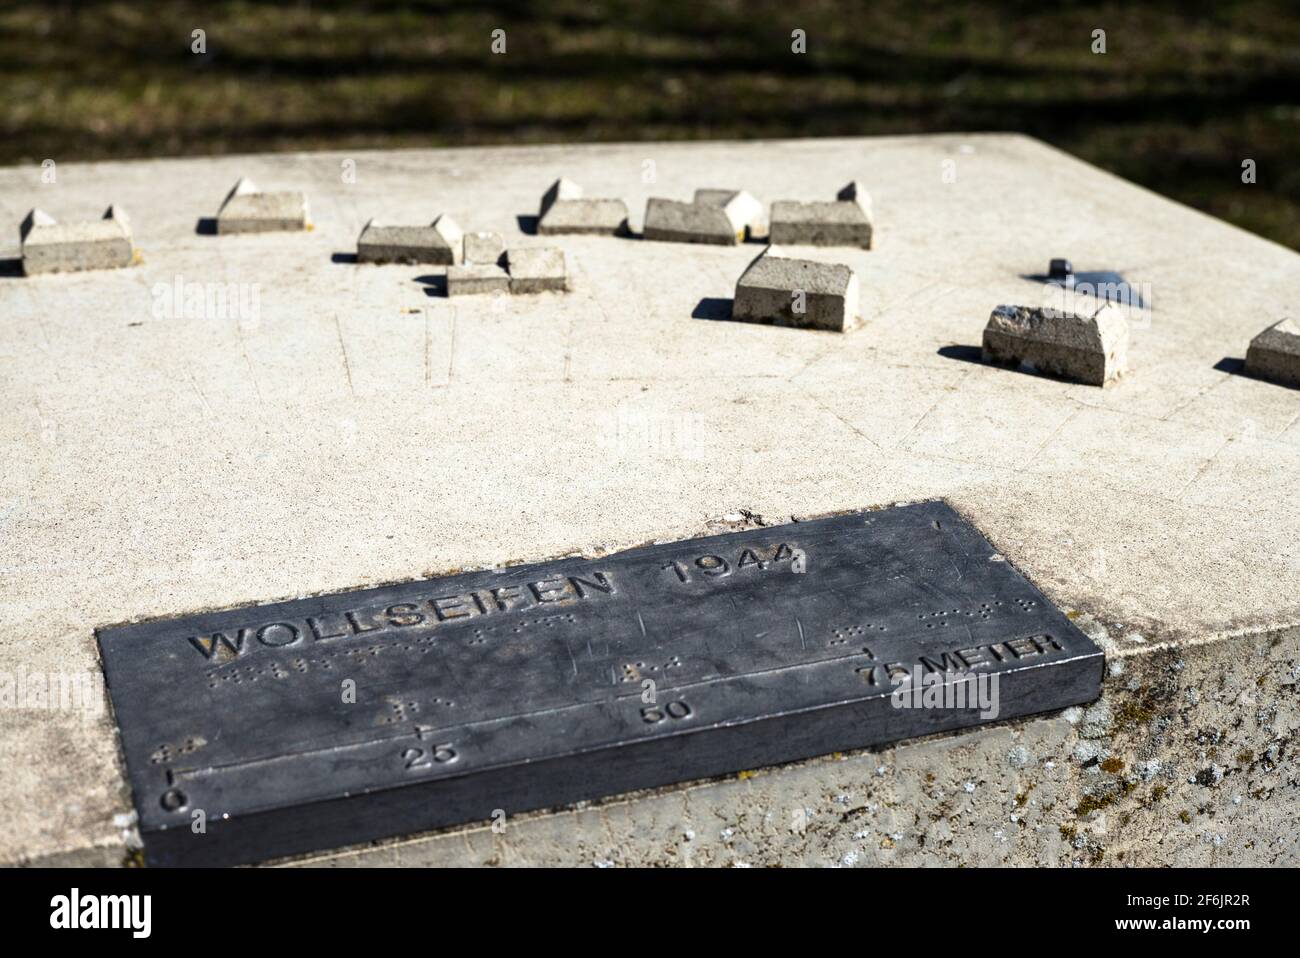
(52, 247)
(564, 209)
(244, 477)
(247, 209)
(845, 221)
(439, 243)
(1275, 353)
(1088, 344)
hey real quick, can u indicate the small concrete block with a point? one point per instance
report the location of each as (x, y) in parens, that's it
(1083, 345)
(607, 217)
(536, 270)
(484, 248)
(844, 222)
(784, 291)
(561, 189)
(247, 210)
(52, 247)
(472, 278)
(1061, 270)
(742, 209)
(674, 222)
(1275, 353)
(439, 243)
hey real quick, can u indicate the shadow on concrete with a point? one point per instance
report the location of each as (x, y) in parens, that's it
(11, 267)
(527, 224)
(343, 257)
(435, 284)
(206, 226)
(1237, 367)
(967, 354)
(1104, 284)
(713, 307)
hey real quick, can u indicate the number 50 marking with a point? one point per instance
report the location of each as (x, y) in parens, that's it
(653, 714)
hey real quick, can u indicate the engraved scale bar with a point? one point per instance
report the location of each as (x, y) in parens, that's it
(315, 723)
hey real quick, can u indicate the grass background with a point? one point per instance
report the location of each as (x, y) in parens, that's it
(1185, 92)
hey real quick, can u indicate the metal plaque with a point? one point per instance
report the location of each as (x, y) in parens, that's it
(279, 729)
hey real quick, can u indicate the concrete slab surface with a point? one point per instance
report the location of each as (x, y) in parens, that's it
(249, 418)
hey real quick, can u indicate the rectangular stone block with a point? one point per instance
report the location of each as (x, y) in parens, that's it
(526, 687)
(474, 278)
(1275, 353)
(52, 247)
(247, 210)
(584, 216)
(440, 243)
(1084, 344)
(844, 222)
(484, 248)
(786, 291)
(536, 270)
(675, 222)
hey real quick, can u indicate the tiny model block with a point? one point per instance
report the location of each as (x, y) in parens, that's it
(718, 217)
(52, 247)
(786, 291)
(564, 210)
(1084, 344)
(439, 243)
(844, 222)
(247, 210)
(1275, 353)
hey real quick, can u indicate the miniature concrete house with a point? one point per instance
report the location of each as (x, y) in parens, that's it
(1084, 344)
(49, 246)
(439, 243)
(563, 209)
(248, 210)
(845, 221)
(718, 217)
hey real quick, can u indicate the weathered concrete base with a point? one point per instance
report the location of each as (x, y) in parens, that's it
(1188, 758)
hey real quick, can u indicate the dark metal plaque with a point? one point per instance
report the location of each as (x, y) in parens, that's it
(321, 722)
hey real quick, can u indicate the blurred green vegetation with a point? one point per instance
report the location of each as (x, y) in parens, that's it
(1185, 92)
